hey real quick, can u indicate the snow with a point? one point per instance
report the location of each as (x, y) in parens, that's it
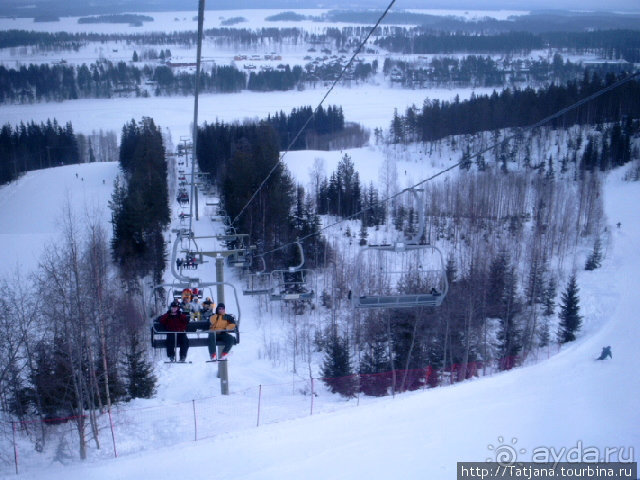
(31, 209)
(562, 402)
(186, 21)
(370, 105)
(568, 401)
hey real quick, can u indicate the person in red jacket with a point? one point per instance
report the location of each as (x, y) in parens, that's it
(176, 321)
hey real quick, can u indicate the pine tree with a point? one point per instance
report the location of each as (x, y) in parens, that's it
(397, 128)
(534, 289)
(503, 303)
(570, 319)
(549, 298)
(510, 335)
(465, 161)
(595, 259)
(141, 382)
(337, 371)
(543, 333)
(375, 361)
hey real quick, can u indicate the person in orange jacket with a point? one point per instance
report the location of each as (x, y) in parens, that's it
(220, 325)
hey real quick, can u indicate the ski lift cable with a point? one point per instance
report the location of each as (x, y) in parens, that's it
(313, 114)
(539, 123)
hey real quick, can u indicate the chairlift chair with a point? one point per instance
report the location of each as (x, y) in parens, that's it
(240, 259)
(192, 259)
(242, 256)
(294, 283)
(197, 330)
(258, 283)
(221, 216)
(182, 197)
(399, 276)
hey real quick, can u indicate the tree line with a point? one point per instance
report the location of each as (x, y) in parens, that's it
(130, 18)
(239, 158)
(324, 122)
(35, 83)
(105, 80)
(265, 81)
(518, 108)
(343, 195)
(610, 149)
(475, 70)
(610, 44)
(35, 146)
(62, 40)
(424, 43)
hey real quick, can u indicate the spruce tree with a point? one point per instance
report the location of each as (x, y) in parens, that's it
(337, 371)
(375, 360)
(595, 259)
(543, 333)
(549, 297)
(504, 303)
(570, 318)
(141, 382)
(451, 269)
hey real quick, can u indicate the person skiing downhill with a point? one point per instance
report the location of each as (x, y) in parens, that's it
(606, 352)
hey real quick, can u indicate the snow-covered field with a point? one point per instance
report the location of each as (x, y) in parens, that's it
(187, 20)
(371, 106)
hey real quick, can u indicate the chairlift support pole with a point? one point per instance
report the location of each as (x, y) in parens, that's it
(195, 200)
(194, 143)
(223, 372)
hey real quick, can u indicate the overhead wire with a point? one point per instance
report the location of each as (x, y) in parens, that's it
(508, 138)
(313, 114)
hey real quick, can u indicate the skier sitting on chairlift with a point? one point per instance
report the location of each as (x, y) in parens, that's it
(185, 302)
(220, 324)
(175, 321)
(195, 308)
(207, 309)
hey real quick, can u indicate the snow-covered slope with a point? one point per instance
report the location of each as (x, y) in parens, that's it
(31, 208)
(567, 402)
